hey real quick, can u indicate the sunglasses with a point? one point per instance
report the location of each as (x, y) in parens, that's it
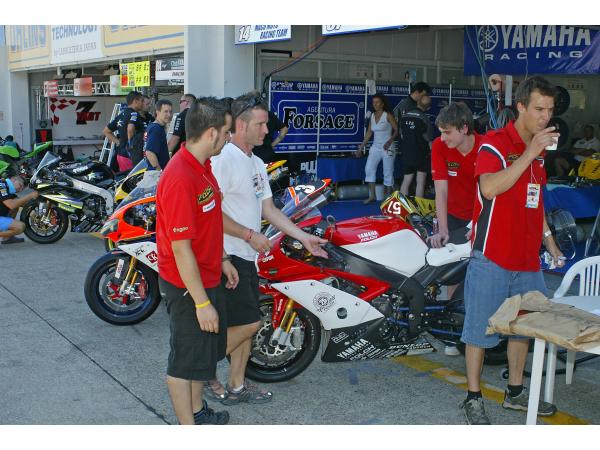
(253, 102)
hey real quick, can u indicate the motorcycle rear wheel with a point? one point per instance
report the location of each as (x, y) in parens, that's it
(266, 364)
(34, 229)
(97, 292)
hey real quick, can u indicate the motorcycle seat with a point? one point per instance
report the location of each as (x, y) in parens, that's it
(448, 254)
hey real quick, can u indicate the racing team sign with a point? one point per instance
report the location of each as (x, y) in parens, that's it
(522, 49)
(339, 126)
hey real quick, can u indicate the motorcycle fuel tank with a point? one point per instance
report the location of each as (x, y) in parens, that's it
(385, 240)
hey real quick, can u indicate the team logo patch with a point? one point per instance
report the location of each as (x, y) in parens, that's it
(206, 195)
(323, 301)
(209, 206)
(180, 230)
(453, 165)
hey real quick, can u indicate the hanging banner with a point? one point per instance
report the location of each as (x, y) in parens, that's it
(255, 34)
(82, 86)
(75, 43)
(328, 30)
(135, 74)
(526, 49)
(342, 115)
(171, 70)
(51, 88)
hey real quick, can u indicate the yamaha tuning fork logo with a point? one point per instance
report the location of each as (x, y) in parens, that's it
(487, 36)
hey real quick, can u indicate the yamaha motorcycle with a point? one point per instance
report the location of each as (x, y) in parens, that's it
(378, 295)
(79, 193)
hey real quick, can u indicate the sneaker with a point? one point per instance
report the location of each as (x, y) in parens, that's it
(519, 403)
(210, 391)
(13, 240)
(207, 416)
(475, 412)
(250, 393)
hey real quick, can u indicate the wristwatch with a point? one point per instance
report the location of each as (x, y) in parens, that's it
(547, 234)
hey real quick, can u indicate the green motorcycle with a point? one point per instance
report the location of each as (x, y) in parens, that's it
(13, 162)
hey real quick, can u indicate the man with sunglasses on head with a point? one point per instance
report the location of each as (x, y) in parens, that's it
(178, 136)
(247, 199)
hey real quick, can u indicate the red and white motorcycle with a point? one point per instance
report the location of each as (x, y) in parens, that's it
(378, 295)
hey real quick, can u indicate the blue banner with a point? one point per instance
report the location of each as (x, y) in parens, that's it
(527, 49)
(342, 115)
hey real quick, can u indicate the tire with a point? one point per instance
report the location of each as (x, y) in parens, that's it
(97, 291)
(34, 230)
(265, 368)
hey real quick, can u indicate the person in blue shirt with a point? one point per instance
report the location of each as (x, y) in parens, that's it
(156, 149)
(9, 205)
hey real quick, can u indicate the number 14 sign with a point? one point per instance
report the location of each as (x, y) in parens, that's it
(255, 34)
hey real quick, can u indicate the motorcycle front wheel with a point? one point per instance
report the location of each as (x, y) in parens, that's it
(114, 302)
(269, 364)
(44, 227)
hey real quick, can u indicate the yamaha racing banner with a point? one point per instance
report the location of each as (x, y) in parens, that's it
(523, 49)
(343, 117)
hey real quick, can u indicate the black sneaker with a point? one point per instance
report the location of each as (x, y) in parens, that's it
(13, 240)
(250, 393)
(475, 412)
(208, 416)
(520, 403)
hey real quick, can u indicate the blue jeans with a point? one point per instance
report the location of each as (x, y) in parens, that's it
(487, 285)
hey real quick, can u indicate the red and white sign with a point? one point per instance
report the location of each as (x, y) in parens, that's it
(51, 88)
(82, 87)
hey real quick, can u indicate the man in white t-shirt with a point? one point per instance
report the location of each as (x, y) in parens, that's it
(247, 199)
(582, 149)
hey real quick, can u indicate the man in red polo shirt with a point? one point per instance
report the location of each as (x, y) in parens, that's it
(508, 228)
(453, 157)
(189, 236)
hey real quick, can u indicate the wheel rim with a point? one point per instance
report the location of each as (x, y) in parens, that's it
(267, 357)
(42, 227)
(135, 299)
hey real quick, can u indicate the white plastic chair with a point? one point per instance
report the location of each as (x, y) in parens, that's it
(588, 271)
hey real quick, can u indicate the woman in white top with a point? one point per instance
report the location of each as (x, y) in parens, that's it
(385, 128)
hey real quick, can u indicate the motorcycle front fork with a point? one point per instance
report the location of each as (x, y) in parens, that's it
(128, 283)
(44, 211)
(281, 334)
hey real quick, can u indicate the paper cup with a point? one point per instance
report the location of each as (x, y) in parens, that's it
(553, 146)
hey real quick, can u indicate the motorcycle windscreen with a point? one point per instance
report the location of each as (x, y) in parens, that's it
(302, 207)
(48, 160)
(144, 189)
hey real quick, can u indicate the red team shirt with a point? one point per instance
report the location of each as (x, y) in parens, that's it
(507, 232)
(188, 206)
(459, 170)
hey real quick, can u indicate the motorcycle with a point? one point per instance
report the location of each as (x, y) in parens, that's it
(13, 162)
(79, 193)
(127, 297)
(378, 295)
(121, 287)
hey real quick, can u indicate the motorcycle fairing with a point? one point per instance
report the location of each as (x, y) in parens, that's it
(387, 250)
(106, 195)
(145, 251)
(364, 342)
(333, 307)
(63, 201)
(448, 254)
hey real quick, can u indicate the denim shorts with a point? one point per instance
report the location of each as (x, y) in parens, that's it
(5, 222)
(487, 285)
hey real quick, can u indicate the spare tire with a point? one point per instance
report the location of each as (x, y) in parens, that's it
(561, 101)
